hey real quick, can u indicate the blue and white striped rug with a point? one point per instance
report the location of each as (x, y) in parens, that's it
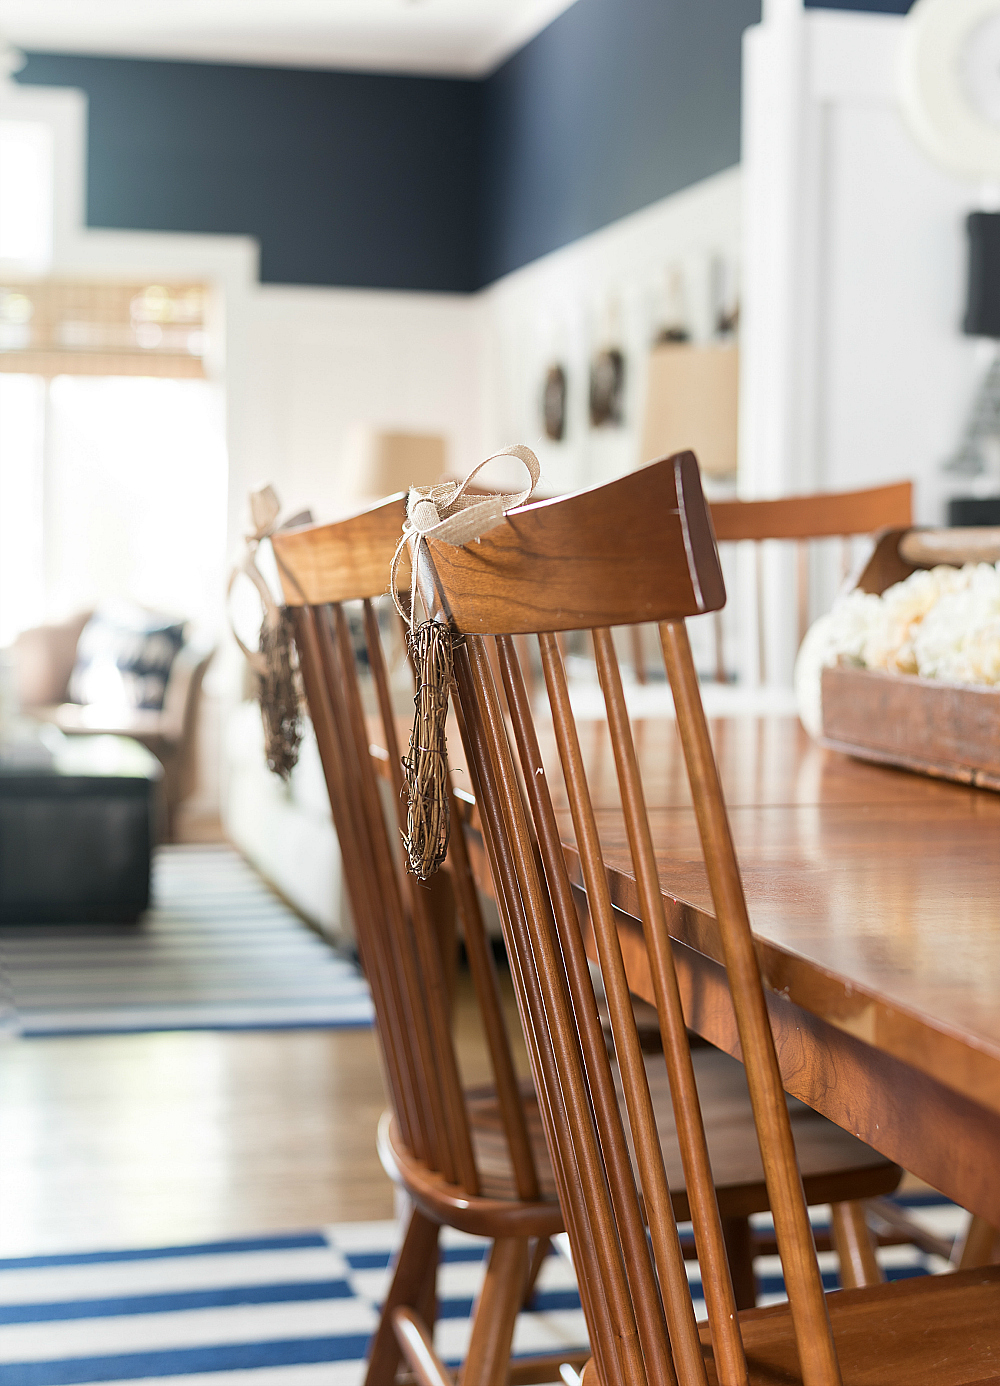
(284, 1310)
(218, 950)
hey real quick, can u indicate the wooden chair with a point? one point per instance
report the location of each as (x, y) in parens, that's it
(638, 548)
(468, 1160)
(800, 520)
(506, 1190)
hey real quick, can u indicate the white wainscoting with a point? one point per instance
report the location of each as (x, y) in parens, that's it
(605, 290)
(321, 361)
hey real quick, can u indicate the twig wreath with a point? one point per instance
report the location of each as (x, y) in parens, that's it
(274, 663)
(447, 514)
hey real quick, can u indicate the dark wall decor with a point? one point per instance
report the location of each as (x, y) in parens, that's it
(978, 444)
(974, 510)
(982, 304)
(671, 334)
(554, 404)
(668, 307)
(607, 388)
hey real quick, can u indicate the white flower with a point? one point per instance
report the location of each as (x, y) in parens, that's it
(842, 634)
(979, 658)
(941, 623)
(959, 639)
(903, 608)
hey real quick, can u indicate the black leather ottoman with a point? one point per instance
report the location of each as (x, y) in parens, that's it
(75, 839)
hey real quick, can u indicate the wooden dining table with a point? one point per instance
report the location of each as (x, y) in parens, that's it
(874, 897)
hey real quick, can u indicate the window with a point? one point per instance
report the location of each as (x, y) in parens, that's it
(83, 327)
(110, 487)
(113, 469)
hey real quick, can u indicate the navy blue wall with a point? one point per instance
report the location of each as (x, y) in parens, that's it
(616, 104)
(345, 178)
(421, 183)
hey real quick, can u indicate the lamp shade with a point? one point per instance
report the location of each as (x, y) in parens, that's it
(692, 402)
(378, 462)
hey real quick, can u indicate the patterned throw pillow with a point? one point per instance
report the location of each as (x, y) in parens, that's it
(124, 658)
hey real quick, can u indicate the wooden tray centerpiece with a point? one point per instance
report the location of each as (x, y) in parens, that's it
(948, 730)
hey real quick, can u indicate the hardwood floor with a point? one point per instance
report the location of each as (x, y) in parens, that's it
(141, 1139)
(132, 1140)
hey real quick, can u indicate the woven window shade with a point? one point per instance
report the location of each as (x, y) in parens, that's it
(73, 327)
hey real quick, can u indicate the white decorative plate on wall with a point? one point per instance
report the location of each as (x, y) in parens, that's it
(949, 83)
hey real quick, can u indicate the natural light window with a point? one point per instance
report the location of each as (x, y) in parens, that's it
(113, 472)
(110, 488)
(26, 193)
(137, 480)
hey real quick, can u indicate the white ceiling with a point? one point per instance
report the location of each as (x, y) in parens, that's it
(452, 37)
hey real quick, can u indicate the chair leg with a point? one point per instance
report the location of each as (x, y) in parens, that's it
(855, 1246)
(499, 1303)
(540, 1251)
(427, 1307)
(978, 1247)
(414, 1272)
(738, 1237)
(417, 1346)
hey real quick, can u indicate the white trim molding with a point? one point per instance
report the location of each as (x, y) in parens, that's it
(64, 112)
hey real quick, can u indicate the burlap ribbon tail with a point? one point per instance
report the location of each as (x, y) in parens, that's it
(273, 663)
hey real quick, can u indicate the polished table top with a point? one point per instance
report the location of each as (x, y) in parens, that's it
(875, 897)
(876, 893)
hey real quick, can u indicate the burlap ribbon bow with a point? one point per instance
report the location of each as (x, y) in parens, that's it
(264, 510)
(446, 513)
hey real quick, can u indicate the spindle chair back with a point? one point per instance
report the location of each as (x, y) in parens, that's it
(638, 549)
(801, 520)
(431, 1143)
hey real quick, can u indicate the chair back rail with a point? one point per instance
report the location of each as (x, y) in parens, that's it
(823, 514)
(639, 571)
(322, 568)
(639, 549)
(800, 520)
